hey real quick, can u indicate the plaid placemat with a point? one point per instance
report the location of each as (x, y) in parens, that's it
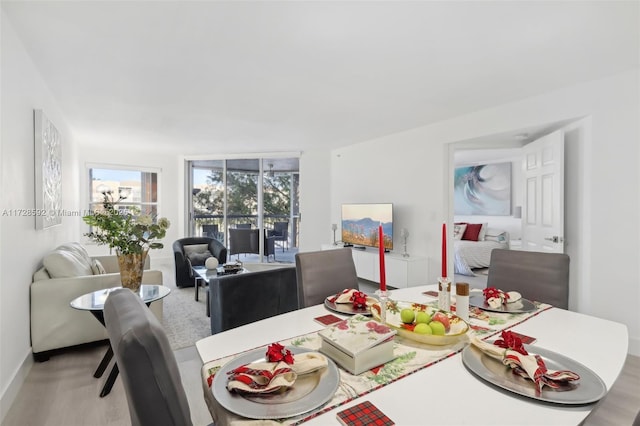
(364, 414)
(410, 357)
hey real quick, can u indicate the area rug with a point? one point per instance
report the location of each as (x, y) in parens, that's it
(185, 321)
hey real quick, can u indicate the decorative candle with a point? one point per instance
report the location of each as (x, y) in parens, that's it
(383, 283)
(444, 250)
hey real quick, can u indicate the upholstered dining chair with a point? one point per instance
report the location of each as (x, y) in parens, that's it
(147, 364)
(323, 273)
(543, 277)
(247, 297)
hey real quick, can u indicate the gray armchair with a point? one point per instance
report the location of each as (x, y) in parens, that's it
(184, 275)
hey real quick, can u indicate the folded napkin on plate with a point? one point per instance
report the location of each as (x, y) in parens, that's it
(265, 377)
(529, 366)
(496, 297)
(345, 297)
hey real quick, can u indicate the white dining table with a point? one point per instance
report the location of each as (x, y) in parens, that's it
(446, 393)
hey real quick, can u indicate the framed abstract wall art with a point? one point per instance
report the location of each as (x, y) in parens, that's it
(483, 190)
(48, 172)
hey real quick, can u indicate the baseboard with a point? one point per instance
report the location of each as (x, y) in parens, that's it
(11, 391)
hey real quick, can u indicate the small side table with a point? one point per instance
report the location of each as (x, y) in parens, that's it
(94, 303)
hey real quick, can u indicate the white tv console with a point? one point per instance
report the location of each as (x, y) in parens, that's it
(401, 271)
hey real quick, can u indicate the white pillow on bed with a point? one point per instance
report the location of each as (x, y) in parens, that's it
(458, 231)
(497, 235)
(483, 232)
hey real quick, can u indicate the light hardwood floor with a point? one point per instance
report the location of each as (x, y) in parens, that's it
(63, 392)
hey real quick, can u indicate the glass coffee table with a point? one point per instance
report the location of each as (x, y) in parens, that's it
(94, 303)
(203, 276)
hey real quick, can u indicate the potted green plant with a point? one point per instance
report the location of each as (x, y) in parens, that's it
(127, 231)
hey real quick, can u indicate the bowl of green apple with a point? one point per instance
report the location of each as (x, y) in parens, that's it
(423, 323)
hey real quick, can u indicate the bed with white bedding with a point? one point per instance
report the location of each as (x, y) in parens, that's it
(469, 255)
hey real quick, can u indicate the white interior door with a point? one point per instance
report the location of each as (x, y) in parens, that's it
(543, 206)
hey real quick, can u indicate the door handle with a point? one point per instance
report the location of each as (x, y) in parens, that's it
(555, 239)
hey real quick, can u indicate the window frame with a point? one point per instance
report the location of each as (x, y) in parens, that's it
(89, 167)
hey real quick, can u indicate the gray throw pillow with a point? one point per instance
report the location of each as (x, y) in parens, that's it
(198, 259)
(196, 248)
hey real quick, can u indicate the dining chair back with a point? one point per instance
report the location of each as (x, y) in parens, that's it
(542, 277)
(147, 365)
(324, 273)
(210, 231)
(247, 297)
(280, 232)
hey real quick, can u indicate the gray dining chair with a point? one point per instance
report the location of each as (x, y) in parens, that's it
(537, 276)
(147, 364)
(323, 273)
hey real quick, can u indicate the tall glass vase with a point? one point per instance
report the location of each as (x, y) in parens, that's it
(131, 269)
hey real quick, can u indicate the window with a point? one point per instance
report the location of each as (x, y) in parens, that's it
(246, 192)
(136, 188)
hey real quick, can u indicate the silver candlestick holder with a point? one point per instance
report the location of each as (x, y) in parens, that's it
(404, 234)
(334, 227)
(383, 296)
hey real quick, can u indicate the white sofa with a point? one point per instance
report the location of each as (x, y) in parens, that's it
(69, 272)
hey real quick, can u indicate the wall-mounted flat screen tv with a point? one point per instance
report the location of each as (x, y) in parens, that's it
(360, 224)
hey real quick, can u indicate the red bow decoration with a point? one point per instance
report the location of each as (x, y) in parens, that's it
(359, 300)
(490, 292)
(276, 353)
(511, 341)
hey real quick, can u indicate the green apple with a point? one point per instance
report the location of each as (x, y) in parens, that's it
(423, 318)
(422, 328)
(407, 315)
(437, 328)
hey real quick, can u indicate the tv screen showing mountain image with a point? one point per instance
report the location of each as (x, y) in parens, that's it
(360, 224)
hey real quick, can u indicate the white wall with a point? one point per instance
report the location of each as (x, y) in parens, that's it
(22, 246)
(413, 168)
(315, 204)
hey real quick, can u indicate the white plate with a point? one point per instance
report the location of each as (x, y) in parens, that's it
(589, 389)
(308, 392)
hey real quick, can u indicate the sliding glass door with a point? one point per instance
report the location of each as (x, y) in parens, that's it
(259, 193)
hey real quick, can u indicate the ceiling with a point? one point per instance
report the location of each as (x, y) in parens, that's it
(212, 77)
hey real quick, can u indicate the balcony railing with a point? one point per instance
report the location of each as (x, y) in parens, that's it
(212, 225)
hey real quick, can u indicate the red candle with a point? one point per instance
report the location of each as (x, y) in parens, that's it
(383, 281)
(444, 250)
